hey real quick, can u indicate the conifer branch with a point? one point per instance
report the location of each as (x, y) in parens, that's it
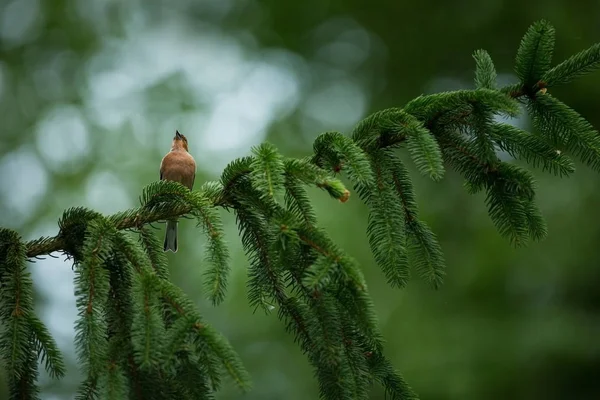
(135, 327)
(46, 348)
(91, 290)
(18, 337)
(485, 72)
(157, 258)
(573, 67)
(535, 53)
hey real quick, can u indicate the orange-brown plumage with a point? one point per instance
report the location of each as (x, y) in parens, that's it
(179, 166)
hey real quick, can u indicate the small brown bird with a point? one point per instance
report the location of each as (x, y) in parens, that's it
(179, 166)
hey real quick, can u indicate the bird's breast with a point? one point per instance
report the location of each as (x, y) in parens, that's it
(179, 167)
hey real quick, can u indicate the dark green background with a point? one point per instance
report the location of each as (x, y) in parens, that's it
(519, 324)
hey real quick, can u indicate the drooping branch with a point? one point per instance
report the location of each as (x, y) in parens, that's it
(153, 332)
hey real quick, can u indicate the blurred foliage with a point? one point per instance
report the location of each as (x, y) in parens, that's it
(90, 93)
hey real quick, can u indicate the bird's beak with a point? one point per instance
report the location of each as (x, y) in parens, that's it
(177, 135)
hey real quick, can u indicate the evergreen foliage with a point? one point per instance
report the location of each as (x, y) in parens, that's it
(138, 336)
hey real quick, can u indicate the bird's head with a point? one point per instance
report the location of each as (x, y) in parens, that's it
(180, 141)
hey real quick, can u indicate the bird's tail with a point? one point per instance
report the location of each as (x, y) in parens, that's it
(171, 237)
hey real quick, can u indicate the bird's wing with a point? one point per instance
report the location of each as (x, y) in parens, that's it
(161, 168)
(193, 166)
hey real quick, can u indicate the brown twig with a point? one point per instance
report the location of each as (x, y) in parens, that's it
(318, 248)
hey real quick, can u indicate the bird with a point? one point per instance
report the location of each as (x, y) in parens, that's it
(177, 165)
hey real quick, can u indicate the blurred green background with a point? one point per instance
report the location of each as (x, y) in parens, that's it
(91, 92)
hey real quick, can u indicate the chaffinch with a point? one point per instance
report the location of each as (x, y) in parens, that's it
(179, 166)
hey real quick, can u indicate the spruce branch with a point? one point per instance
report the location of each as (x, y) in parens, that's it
(423, 249)
(566, 129)
(17, 338)
(114, 383)
(532, 148)
(386, 228)
(217, 254)
(152, 247)
(451, 108)
(191, 379)
(136, 330)
(267, 170)
(91, 291)
(206, 336)
(577, 65)
(535, 53)
(297, 200)
(147, 325)
(395, 385)
(336, 151)
(485, 72)
(46, 348)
